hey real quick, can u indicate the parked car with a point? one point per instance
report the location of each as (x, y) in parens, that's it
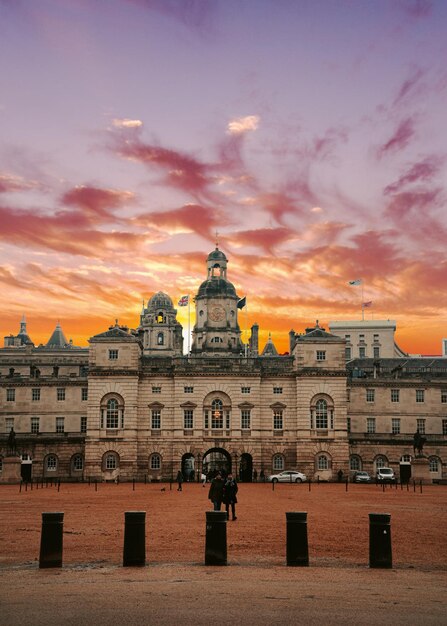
(361, 477)
(385, 475)
(288, 477)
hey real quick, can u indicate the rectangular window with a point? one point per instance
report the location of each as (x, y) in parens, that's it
(60, 424)
(444, 396)
(156, 389)
(217, 419)
(83, 424)
(35, 395)
(206, 423)
(35, 425)
(444, 427)
(370, 425)
(376, 352)
(277, 390)
(188, 389)
(395, 395)
(113, 355)
(9, 423)
(362, 352)
(156, 419)
(84, 394)
(362, 337)
(420, 395)
(61, 394)
(188, 419)
(10, 395)
(277, 419)
(348, 354)
(395, 426)
(245, 389)
(245, 419)
(321, 355)
(420, 426)
(348, 338)
(370, 395)
(376, 338)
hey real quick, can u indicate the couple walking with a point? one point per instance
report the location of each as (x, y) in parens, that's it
(224, 491)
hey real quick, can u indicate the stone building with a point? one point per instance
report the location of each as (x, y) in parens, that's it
(132, 405)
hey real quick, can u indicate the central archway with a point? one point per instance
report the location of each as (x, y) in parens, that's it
(246, 468)
(216, 460)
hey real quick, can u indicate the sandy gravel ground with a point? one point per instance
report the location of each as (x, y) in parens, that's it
(255, 588)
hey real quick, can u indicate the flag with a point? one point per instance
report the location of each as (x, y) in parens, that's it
(367, 304)
(184, 301)
(242, 302)
(354, 283)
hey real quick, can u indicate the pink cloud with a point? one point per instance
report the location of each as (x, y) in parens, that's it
(96, 203)
(192, 217)
(400, 138)
(265, 238)
(421, 171)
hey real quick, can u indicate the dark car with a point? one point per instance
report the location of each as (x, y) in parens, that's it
(362, 477)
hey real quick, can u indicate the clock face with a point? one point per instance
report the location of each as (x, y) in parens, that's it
(217, 314)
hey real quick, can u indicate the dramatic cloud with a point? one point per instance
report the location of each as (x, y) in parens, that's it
(191, 218)
(399, 139)
(126, 123)
(421, 172)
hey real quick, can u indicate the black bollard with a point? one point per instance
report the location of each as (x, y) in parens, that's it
(20, 489)
(216, 538)
(297, 546)
(273, 485)
(133, 484)
(51, 540)
(58, 485)
(310, 483)
(346, 484)
(380, 540)
(96, 485)
(134, 553)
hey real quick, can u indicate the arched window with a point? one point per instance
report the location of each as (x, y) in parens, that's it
(434, 464)
(217, 414)
(321, 414)
(51, 463)
(78, 463)
(112, 412)
(278, 462)
(155, 462)
(355, 463)
(322, 462)
(380, 462)
(111, 461)
(160, 339)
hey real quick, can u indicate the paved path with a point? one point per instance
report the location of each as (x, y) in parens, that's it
(235, 595)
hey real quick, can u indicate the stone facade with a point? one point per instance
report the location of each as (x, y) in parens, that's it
(133, 406)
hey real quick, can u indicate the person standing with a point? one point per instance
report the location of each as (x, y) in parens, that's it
(179, 480)
(229, 496)
(215, 493)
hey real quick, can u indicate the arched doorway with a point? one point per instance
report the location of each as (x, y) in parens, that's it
(246, 468)
(216, 460)
(188, 467)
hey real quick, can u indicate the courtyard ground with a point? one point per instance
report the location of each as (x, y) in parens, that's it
(255, 588)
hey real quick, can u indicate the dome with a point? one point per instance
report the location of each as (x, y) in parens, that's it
(216, 287)
(160, 300)
(217, 255)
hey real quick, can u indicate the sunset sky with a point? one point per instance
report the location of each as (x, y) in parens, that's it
(311, 134)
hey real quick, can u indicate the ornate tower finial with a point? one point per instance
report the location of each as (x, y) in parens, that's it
(217, 240)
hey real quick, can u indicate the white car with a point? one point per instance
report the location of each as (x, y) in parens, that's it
(385, 475)
(288, 477)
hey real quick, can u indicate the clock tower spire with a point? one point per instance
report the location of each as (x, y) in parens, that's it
(216, 330)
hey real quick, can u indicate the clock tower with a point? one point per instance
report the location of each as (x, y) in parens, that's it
(216, 330)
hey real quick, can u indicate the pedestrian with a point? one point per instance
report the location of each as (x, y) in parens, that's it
(203, 479)
(179, 480)
(340, 475)
(255, 476)
(215, 493)
(262, 476)
(229, 496)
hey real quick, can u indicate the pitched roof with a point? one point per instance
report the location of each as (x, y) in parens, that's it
(269, 348)
(57, 339)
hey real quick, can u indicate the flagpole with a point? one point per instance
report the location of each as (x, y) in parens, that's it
(363, 308)
(189, 325)
(246, 331)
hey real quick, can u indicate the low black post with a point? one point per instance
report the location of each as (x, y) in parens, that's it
(96, 485)
(31, 483)
(170, 485)
(89, 481)
(216, 538)
(51, 540)
(26, 485)
(318, 479)
(37, 484)
(297, 546)
(273, 485)
(133, 484)
(134, 553)
(346, 484)
(401, 485)
(20, 488)
(380, 540)
(408, 485)
(145, 478)
(310, 483)
(383, 487)
(420, 484)
(58, 485)
(414, 485)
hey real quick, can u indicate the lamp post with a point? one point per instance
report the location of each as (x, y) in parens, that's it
(236, 473)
